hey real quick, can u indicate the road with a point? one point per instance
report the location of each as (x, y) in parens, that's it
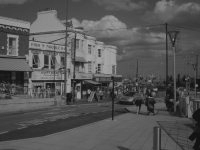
(54, 119)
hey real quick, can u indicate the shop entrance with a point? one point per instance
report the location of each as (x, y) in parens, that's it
(50, 88)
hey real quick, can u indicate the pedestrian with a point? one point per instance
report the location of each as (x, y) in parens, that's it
(196, 133)
(150, 102)
(101, 94)
(138, 103)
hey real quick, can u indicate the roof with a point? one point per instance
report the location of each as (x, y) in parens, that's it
(92, 82)
(14, 64)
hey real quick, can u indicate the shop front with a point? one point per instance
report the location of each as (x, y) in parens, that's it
(14, 73)
(47, 83)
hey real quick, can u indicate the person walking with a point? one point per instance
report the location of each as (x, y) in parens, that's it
(138, 103)
(150, 102)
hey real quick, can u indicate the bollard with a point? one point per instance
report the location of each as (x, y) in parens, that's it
(156, 138)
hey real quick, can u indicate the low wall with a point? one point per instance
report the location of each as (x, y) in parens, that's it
(19, 104)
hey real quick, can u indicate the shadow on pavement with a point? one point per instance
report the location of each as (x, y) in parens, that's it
(122, 148)
(179, 131)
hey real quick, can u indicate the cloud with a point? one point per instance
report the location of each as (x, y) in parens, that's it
(167, 10)
(17, 2)
(115, 5)
(111, 30)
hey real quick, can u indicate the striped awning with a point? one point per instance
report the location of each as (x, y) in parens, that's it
(92, 82)
(14, 64)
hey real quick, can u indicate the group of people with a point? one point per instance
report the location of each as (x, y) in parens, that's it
(148, 98)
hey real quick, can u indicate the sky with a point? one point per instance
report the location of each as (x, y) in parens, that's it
(136, 27)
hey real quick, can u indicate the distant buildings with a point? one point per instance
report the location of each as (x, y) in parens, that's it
(94, 62)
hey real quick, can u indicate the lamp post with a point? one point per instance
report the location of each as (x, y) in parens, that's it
(173, 37)
(113, 95)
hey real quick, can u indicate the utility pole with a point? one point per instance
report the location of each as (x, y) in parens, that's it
(166, 32)
(137, 70)
(65, 66)
(74, 73)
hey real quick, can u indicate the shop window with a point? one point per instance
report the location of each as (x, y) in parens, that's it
(89, 67)
(77, 43)
(99, 52)
(99, 68)
(36, 61)
(46, 61)
(12, 45)
(89, 49)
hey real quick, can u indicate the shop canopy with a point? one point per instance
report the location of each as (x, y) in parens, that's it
(14, 64)
(80, 59)
(92, 82)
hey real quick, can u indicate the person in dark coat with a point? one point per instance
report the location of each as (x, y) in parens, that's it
(196, 133)
(150, 102)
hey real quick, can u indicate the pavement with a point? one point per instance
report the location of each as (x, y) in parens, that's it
(126, 132)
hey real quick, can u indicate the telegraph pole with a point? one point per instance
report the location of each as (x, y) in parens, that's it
(166, 32)
(65, 66)
(74, 73)
(137, 70)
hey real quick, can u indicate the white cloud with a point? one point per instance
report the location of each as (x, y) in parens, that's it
(18, 2)
(113, 31)
(169, 9)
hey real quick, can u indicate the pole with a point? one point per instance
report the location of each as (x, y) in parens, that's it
(65, 65)
(137, 70)
(174, 50)
(74, 62)
(196, 75)
(166, 32)
(156, 138)
(113, 94)
(54, 72)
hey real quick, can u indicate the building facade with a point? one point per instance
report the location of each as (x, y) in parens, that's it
(89, 61)
(14, 39)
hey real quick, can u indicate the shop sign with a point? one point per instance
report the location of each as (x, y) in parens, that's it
(47, 75)
(83, 76)
(46, 46)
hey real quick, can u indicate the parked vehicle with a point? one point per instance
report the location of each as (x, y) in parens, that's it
(131, 99)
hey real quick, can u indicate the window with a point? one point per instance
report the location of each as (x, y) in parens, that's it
(89, 67)
(113, 69)
(46, 61)
(99, 52)
(53, 60)
(35, 61)
(77, 43)
(89, 49)
(99, 68)
(62, 61)
(12, 46)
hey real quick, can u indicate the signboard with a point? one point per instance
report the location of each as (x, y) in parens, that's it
(83, 76)
(46, 46)
(47, 75)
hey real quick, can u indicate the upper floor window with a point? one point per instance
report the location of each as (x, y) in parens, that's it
(12, 45)
(53, 61)
(35, 61)
(89, 67)
(62, 61)
(99, 52)
(46, 61)
(113, 69)
(77, 43)
(89, 49)
(99, 68)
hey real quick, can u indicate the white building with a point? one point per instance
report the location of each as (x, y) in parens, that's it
(94, 61)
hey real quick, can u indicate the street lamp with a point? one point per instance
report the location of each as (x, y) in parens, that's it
(173, 37)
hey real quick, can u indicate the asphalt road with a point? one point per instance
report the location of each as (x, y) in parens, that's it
(52, 120)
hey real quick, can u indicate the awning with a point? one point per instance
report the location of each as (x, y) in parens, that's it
(92, 82)
(80, 59)
(14, 64)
